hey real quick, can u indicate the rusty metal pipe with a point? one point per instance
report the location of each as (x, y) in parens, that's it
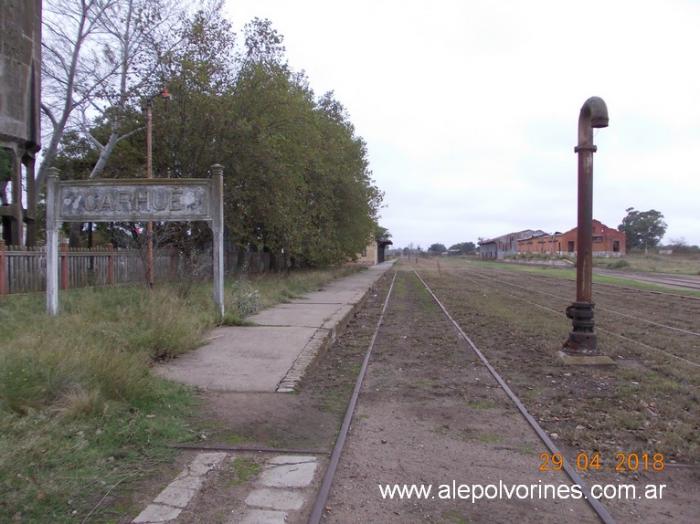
(594, 114)
(149, 174)
(582, 340)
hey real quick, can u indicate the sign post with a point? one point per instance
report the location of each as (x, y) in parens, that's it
(217, 229)
(135, 200)
(52, 227)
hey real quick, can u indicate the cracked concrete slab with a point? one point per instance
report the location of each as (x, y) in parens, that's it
(262, 516)
(296, 315)
(241, 359)
(292, 459)
(331, 297)
(289, 475)
(157, 513)
(278, 499)
(170, 502)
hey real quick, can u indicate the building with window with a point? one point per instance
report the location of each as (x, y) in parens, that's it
(500, 247)
(607, 242)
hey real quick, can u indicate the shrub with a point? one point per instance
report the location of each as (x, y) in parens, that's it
(618, 264)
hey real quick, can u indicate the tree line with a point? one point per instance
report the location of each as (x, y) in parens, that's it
(296, 174)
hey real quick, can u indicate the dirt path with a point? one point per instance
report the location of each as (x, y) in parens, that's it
(430, 413)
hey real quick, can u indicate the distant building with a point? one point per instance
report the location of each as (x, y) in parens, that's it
(505, 245)
(374, 253)
(488, 249)
(607, 242)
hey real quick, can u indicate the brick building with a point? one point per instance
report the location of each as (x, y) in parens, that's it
(505, 245)
(607, 242)
(544, 243)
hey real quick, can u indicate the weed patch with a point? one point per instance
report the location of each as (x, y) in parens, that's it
(80, 411)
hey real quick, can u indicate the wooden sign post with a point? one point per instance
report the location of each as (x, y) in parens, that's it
(136, 200)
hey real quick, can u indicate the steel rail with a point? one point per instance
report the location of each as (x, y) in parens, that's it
(663, 279)
(324, 491)
(601, 308)
(602, 330)
(599, 509)
(617, 286)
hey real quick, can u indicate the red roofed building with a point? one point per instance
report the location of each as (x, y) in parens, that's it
(607, 242)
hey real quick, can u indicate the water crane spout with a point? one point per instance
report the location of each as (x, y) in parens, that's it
(582, 344)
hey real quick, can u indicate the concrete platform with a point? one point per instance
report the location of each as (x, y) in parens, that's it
(240, 359)
(273, 354)
(301, 314)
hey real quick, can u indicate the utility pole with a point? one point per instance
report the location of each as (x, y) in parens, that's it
(149, 174)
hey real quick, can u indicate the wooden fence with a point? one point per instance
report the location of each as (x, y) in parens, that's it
(23, 270)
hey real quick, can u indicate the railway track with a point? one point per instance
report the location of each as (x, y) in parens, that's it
(326, 484)
(681, 281)
(619, 336)
(599, 307)
(616, 288)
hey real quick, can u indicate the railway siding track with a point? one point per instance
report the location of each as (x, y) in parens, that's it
(599, 307)
(609, 332)
(684, 344)
(681, 281)
(669, 308)
(621, 336)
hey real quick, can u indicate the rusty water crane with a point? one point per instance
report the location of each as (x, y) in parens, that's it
(581, 346)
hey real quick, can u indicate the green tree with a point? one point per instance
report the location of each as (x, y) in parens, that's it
(381, 233)
(296, 176)
(465, 248)
(643, 229)
(437, 248)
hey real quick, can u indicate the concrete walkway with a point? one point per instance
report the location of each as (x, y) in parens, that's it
(272, 355)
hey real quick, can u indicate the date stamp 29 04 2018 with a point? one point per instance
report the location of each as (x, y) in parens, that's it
(623, 462)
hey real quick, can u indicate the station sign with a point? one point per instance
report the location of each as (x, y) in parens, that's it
(133, 200)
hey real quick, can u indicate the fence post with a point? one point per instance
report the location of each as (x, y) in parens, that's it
(110, 264)
(64, 265)
(3, 270)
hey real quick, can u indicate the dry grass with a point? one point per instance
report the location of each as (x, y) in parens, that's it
(677, 263)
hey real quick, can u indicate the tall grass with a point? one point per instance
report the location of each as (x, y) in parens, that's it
(77, 400)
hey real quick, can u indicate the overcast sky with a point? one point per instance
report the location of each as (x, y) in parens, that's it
(470, 108)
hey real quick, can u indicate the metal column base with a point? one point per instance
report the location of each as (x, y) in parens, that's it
(582, 345)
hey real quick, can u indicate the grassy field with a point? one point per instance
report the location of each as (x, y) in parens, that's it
(80, 412)
(652, 263)
(562, 273)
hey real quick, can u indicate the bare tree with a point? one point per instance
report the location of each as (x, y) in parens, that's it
(139, 33)
(68, 66)
(100, 57)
